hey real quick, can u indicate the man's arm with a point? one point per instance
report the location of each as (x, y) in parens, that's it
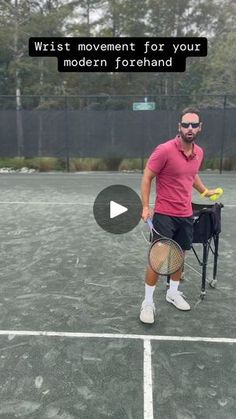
(146, 183)
(198, 185)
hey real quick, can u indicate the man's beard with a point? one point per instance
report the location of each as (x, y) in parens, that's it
(188, 139)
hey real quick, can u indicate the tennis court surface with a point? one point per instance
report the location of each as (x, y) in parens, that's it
(71, 343)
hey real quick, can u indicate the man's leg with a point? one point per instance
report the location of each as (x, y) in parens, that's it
(168, 227)
(184, 239)
(176, 278)
(147, 313)
(174, 296)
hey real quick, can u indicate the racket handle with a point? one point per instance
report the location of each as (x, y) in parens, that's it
(150, 225)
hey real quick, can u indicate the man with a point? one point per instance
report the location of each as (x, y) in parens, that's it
(175, 165)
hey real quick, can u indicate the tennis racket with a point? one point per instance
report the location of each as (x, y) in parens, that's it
(165, 256)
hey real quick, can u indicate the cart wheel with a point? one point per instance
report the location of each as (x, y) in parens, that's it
(213, 283)
(182, 276)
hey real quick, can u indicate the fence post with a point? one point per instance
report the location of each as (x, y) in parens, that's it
(142, 163)
(19, 124)
(66, 136)
(223, 135)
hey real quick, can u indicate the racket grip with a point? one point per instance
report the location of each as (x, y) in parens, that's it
(150, 225)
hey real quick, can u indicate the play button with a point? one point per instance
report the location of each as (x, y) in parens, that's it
(117, 209)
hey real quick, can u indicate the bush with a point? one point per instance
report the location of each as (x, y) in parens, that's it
(132, 164)
(15, 163)
(87, 164)
(44, 164)
(112, 163)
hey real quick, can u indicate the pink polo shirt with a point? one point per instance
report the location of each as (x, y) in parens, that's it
(175, 173)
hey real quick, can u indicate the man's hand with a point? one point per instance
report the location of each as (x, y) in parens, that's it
(147, 213)
(210, 192)
(213, 194)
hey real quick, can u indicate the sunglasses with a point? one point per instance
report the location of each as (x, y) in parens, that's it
(187, 124)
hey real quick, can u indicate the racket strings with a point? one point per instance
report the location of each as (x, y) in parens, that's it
(165, 257)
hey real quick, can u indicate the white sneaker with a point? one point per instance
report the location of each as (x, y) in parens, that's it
(147, 312)
(178, 300)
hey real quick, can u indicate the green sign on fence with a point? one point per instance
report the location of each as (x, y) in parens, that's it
(144, 106)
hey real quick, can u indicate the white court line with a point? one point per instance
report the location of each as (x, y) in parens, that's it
(69, 203)
(44, 203)
(147, 357)
(147, 380)
(116, 336)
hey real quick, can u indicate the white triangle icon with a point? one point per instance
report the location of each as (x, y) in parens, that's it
(116, 209)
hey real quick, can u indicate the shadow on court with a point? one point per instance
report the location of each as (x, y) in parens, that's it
(60, 272)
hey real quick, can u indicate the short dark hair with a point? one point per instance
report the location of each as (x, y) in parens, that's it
(190, 110)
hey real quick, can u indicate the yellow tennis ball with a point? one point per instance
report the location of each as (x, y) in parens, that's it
(219, 192)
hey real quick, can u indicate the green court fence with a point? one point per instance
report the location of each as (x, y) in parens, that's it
(109, 127)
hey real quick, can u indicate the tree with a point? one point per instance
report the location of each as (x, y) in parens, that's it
(87, 18)
(18, 72)
(220, 75)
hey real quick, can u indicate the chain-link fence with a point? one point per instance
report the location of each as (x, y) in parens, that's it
(109, 127)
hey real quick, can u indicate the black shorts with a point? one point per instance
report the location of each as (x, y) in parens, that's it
(179, 229)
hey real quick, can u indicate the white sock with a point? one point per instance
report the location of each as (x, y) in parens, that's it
(173, 286)
(149, 290)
